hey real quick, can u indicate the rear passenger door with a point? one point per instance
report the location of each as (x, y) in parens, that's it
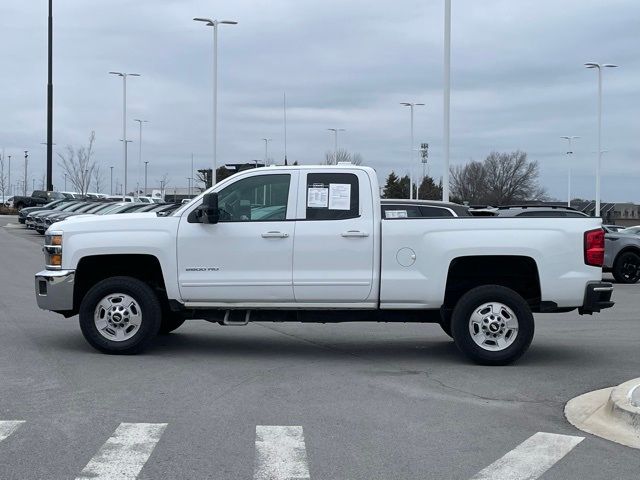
(333, 253)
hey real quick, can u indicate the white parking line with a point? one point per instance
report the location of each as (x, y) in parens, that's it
(280, 453)
(531, 458)
(7, 427)
(125, 453)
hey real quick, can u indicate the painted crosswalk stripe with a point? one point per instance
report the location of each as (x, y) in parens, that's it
(280, 453)
(7, 427)
(125, 453)
(531, 458)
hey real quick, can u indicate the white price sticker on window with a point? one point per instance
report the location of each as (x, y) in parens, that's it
(339, 196)
(317, 197)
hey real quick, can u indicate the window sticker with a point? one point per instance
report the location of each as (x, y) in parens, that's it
(339, 196)
(396, 214)
(317, 197)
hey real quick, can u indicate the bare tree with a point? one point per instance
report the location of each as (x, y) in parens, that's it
(98, 179)
(468, 182)
(501, 179)
(342, 155)
(79, 165)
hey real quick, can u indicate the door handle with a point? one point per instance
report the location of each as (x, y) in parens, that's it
(275, 235)
(354, 233)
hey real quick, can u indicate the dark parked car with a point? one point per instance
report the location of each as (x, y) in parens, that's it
(22, 215)
(402, 208)
(38, 197)
(612, 228)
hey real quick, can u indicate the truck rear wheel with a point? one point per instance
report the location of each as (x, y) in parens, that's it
(492, 325)
(120, 315)
(626, 268)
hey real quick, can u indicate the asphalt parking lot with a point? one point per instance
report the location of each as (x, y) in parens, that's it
(350, 401)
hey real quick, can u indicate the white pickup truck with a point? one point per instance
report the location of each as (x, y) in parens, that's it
(309, 244)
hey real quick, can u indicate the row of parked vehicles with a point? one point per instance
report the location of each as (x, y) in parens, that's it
(41, 217)
(42, 197)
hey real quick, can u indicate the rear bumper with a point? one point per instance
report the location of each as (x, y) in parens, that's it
(597, 296)
(54, 290)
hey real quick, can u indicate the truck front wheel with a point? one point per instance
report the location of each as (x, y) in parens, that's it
(492, 325)
(120, 315)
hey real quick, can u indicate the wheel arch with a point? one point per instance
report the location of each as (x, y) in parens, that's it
(519, 273)
(94, 268)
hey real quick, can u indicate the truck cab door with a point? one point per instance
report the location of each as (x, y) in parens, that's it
(334, 248)
(246, 257)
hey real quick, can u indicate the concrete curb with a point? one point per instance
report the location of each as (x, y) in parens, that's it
(610, 413)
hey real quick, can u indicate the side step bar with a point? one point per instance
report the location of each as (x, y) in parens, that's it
(236, 318)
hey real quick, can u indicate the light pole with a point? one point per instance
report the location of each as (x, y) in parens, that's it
(599, 66)
(111, 181)
(139, 155)
(214, 23)
(266, 150)
(65, 182)
(145, 177)
(569, 138)
(50, 98)
(447, 98)
(126, 154)
(411, 106)
(9, 174)
(24, 184)
(124, 120)
(335, 141)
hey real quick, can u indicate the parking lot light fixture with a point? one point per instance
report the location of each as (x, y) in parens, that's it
(411, 105)
(599, 67)
(124, 119)
(335, 141)
(214, 23)
(569, 138)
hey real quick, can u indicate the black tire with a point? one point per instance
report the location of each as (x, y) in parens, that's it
(470, 302)
(150, 308)
(626, 268)
(170, 322)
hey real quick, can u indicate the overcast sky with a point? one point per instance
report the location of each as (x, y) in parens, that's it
(517, 83)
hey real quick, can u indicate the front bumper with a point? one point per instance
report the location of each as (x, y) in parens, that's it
(597, 296)
(54, 290)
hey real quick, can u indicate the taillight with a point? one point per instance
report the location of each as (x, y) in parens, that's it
(594, 247)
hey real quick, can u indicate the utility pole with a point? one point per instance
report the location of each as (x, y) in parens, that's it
(24, 184)
(50, 100)
(447, 98)
(145, 177)
(111, 186)
(9, 174)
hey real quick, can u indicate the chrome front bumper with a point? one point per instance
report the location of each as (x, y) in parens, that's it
(54, 290)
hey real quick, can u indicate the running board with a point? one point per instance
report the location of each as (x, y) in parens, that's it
(236, 317)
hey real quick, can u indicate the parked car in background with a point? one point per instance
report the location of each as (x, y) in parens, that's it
(38, 197)
(402, 208)
(538, 211)
(635, 230)
(22, 215)
(119, 198)
(613, 228)
(622, 256)
(31, 218)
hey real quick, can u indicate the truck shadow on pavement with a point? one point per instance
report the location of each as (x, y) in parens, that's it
(433, 349)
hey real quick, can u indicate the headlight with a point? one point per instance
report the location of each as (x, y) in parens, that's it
(53, 250)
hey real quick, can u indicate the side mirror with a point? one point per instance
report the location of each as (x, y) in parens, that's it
(210, 211)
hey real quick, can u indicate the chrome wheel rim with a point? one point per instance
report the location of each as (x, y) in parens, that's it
(117, 317)
(493, 326)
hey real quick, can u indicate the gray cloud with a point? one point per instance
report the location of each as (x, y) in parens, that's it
(518, 82)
